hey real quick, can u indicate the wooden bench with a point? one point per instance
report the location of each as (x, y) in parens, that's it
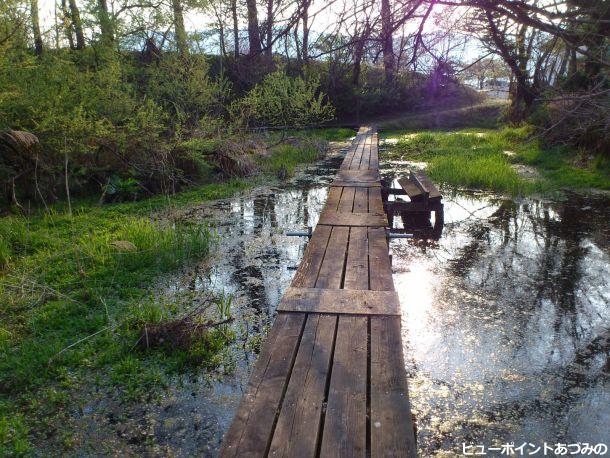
(424, 197)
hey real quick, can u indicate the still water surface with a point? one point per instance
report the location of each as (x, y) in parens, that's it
(506, 317)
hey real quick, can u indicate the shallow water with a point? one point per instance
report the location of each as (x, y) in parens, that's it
(506, 317)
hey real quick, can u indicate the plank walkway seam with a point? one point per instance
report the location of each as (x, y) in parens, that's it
(330, 379)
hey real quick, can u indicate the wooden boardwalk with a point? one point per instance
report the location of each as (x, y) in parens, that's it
(330, 379)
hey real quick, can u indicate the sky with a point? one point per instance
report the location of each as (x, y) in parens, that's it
(198, 21)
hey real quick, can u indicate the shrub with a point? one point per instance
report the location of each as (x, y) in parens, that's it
(284, 101)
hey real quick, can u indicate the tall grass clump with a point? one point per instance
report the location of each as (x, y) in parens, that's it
(284, 158)
(490, 160)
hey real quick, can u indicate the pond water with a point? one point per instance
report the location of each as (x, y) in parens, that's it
(506, 317)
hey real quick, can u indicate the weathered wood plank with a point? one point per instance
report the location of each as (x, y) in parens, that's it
(379, 261)
(391, 424)
(298, 425)
(410, 188)
(357, 267)
(307, 273)
(331, 270)
(345, 422)
(356, 184)
(426, 184)
(361, 200)
(374, 161)
(334, 197)
(331, 218)
(344, 301)
(356, 149)
(346, 205)
(375, 201)
(366, 157)
(250, 432)
(358, 176)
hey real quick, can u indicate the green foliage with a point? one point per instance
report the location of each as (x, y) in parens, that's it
(13, 434)
(489, 159)
(284, 158)
(284, 101)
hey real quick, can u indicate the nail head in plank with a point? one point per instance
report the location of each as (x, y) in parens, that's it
(344, 301)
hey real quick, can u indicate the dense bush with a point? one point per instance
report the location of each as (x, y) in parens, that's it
(118, 122)
(283, 101)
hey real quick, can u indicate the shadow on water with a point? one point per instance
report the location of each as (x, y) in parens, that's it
(505, 318)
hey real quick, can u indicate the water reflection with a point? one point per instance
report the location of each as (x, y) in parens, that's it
(506, 317)
(506, 323)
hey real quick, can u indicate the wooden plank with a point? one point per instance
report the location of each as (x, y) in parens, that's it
(391, 424)
(356, 150)
(374, 161)
(334, 197)
(358, 153)
(356, 184)
(346, 205)
(250, 432)
(379, 261)
(298, 425)
(358, 176)
(410, 188)
(375, 201)
(345, 301)
(366, 157)
(307, 273)
(331, 218)
(331, 270)
(427, 185)
(361, 200)
(357, 266)
(345, 422)
(351, 151)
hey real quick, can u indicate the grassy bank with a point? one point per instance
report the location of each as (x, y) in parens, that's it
(76, 298)
(506, 160)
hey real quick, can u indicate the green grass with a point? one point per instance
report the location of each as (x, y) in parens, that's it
(287, 157)
(483, 115)
(330, 134)
(76, 292)
(483, 159)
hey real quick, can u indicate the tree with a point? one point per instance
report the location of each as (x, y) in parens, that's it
(179, 29)
(254, 34)
(106, 25)
(36, 27)
(77, 24)
(387, 39)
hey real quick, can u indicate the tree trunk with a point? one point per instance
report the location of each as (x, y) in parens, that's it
(67, 23)
(254, 35)
(387, 41)
(36, 27)
(179, 29)
(357, 68)
(78, 25)
(268, 41)
(105, 22)
(235, 28)
(305, 17)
